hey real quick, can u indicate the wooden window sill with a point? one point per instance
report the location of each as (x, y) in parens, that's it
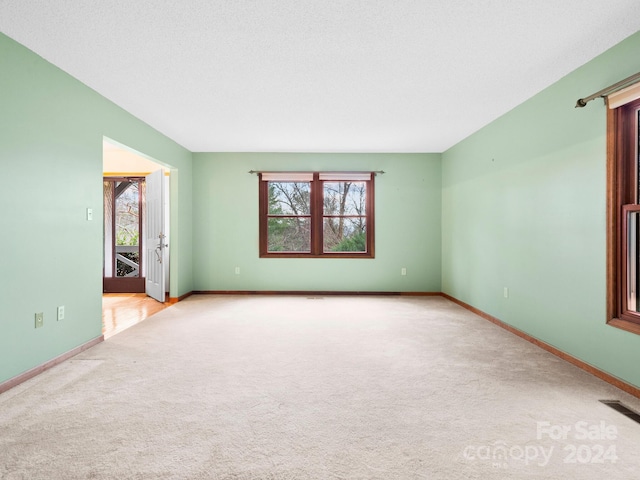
(625, 325)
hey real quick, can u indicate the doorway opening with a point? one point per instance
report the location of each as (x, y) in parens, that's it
(136, 237)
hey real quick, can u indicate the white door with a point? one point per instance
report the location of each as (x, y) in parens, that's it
(155, 236)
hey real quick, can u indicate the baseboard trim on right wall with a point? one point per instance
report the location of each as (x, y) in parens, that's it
(602, 375)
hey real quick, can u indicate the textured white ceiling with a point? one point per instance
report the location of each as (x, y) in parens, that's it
(318, 75)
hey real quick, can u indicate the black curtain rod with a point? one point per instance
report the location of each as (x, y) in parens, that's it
(609, 90)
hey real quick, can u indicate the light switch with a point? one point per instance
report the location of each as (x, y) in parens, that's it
(89, 213)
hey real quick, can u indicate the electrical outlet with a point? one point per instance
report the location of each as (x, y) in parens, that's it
(39, 320)
(61, 312)
(403, 271)
(237, 270)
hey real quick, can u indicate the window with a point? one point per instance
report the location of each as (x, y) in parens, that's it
(623, 242)
(322, 214)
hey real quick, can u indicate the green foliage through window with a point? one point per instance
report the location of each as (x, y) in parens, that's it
(355, 243)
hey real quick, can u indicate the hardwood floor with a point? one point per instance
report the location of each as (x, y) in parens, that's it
(123, 310)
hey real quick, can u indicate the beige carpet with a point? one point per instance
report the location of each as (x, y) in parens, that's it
(283, 388)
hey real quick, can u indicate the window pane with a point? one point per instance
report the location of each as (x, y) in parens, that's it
(345, 198)
(344, 234)
(289, 198)
(289, 234)
(127, 261)
(127, 229)
(633, 270)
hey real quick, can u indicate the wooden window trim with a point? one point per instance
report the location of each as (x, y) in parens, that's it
(622, 196)
(317, 218)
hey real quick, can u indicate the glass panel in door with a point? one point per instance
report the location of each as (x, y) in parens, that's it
(122, 235)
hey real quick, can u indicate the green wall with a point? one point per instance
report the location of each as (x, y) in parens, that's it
(407, 225)
(523, 207)
(51, 132)
(520, 204)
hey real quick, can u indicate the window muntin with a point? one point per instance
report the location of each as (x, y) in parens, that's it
(331, 215)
